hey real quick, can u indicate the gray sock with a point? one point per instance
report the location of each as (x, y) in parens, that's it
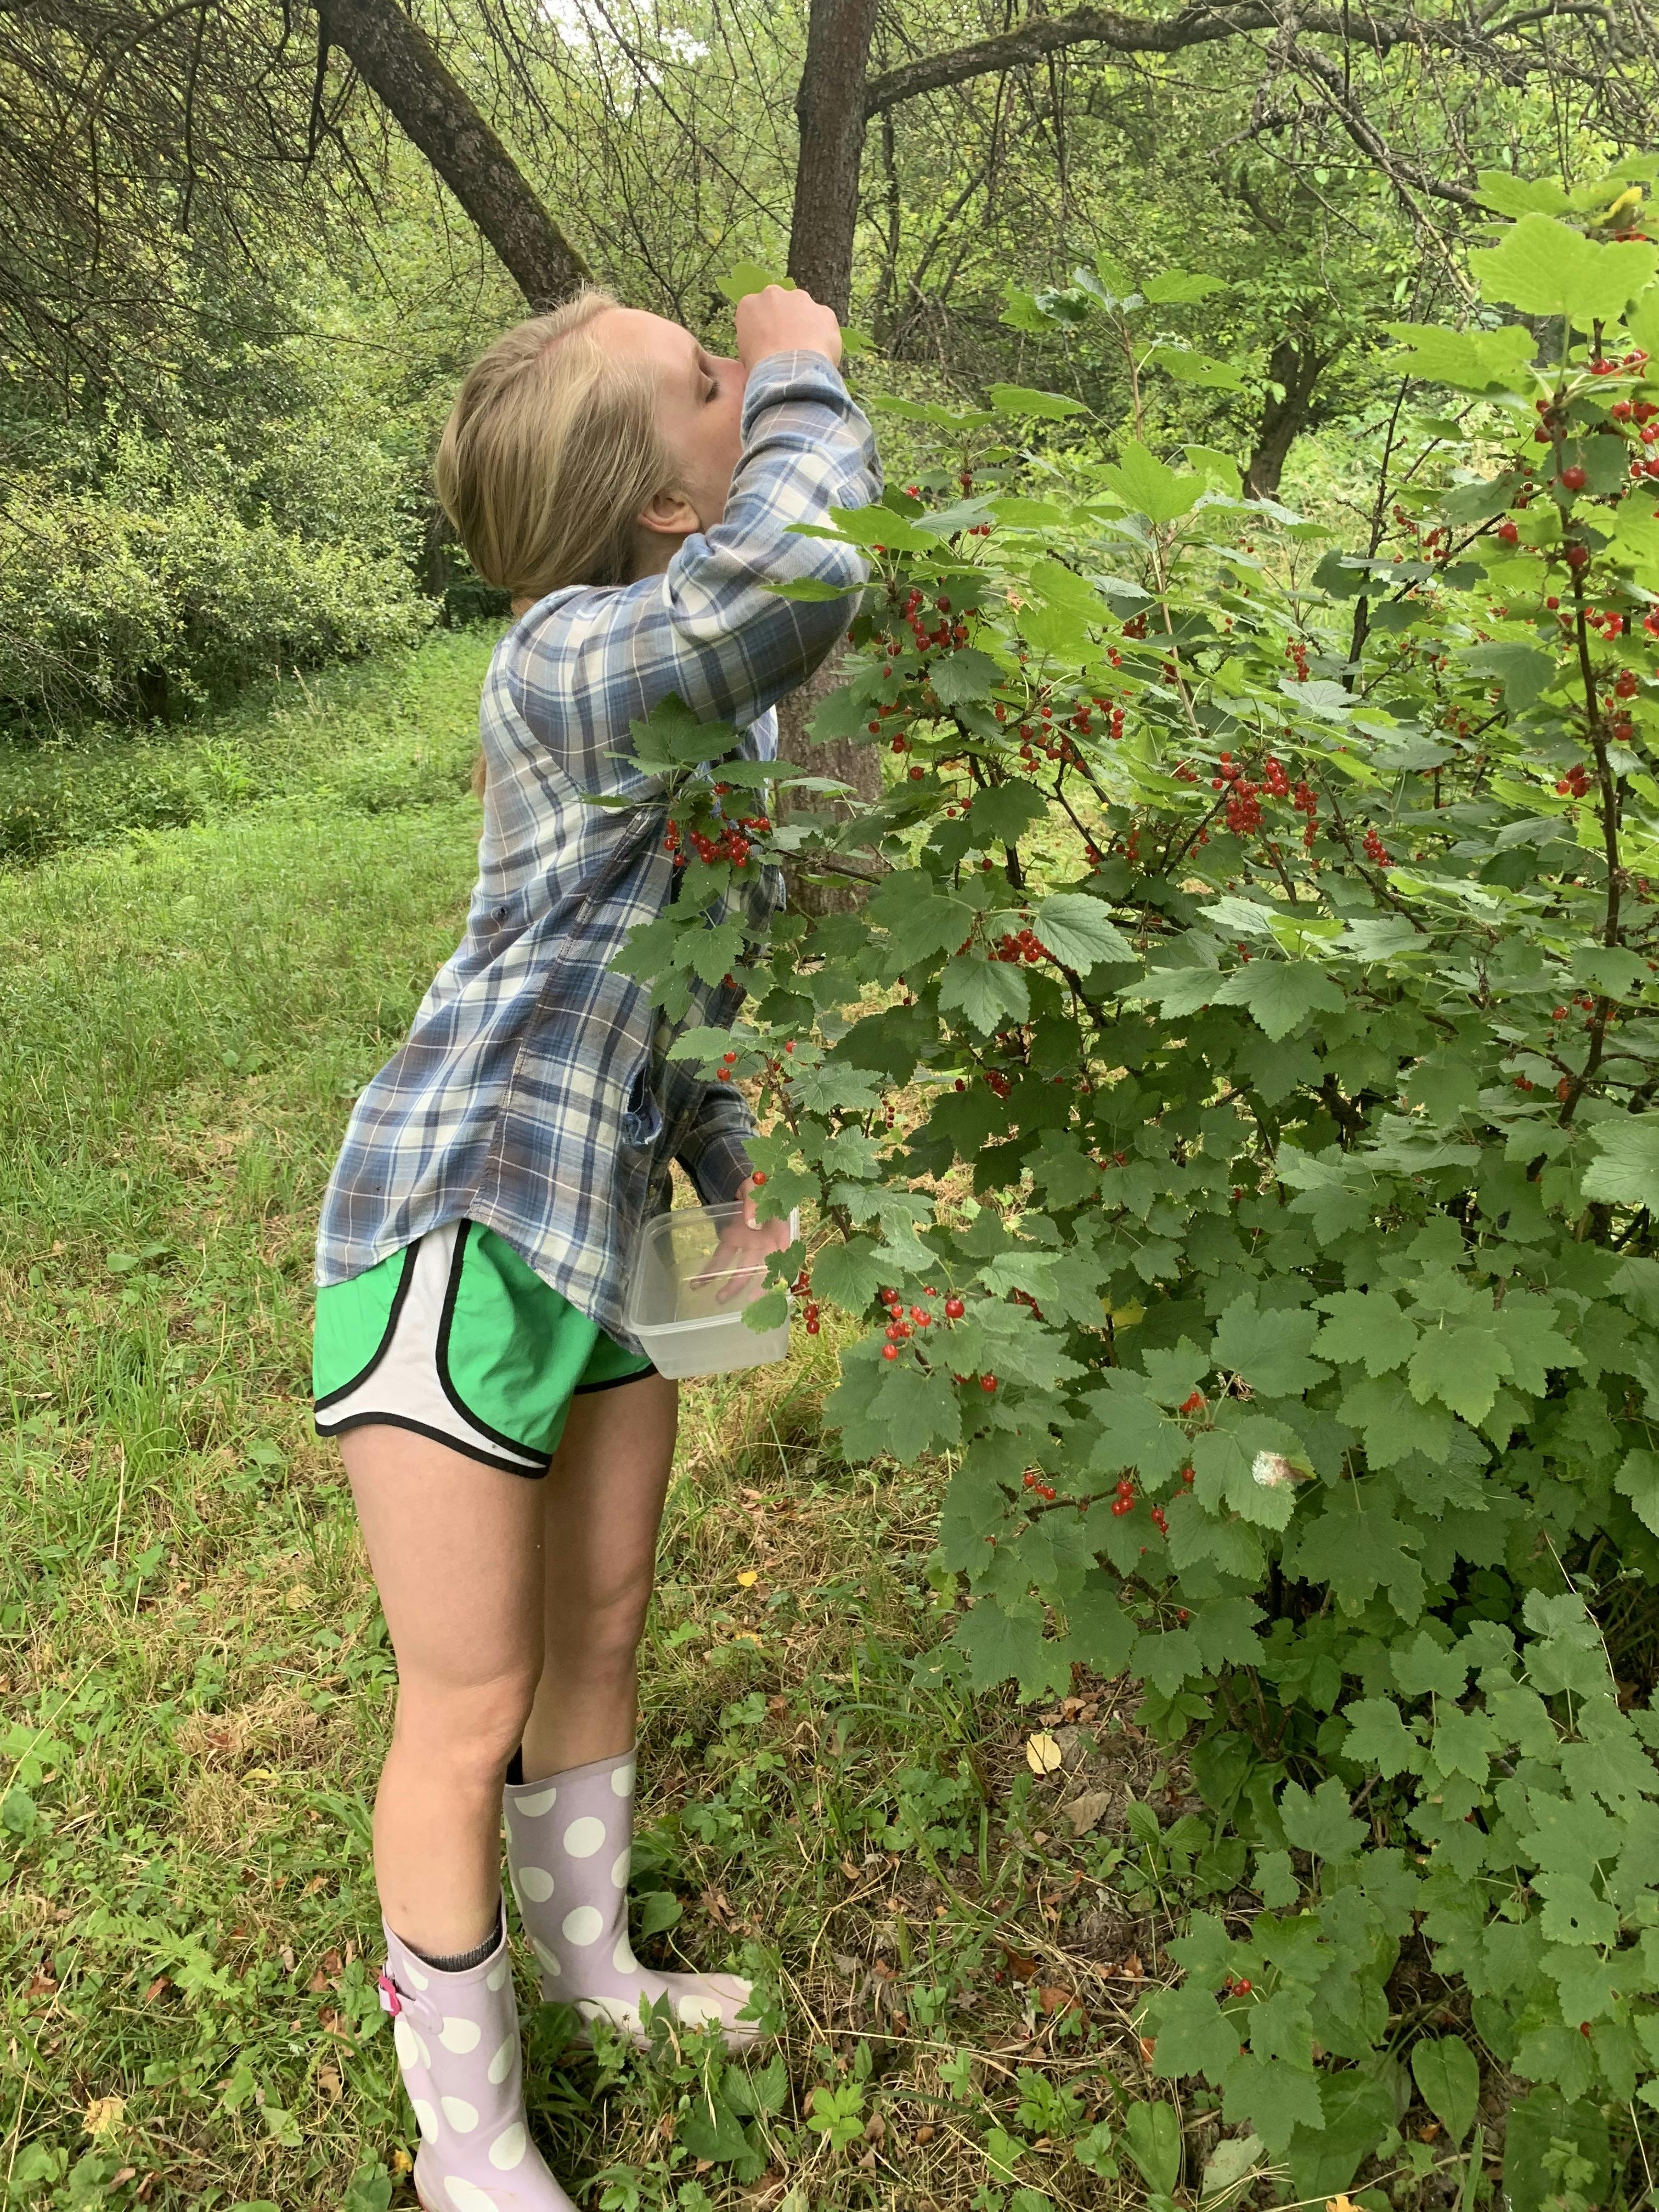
(461, 1962)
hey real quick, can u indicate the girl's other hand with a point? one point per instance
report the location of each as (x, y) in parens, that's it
(740, 1256)
(776, 321)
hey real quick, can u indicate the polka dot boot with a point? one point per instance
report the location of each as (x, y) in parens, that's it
(457, 2038)
(569, 1840)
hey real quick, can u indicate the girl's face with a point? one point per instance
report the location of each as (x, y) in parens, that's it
(699, 416)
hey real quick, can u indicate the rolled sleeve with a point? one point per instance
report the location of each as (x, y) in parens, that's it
(713, 1152)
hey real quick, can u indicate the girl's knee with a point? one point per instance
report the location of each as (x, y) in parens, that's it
(470, 1731)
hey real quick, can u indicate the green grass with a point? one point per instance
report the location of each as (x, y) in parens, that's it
(197, 1683)
(392, 733)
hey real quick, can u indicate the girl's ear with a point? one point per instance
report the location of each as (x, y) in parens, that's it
(671, 513)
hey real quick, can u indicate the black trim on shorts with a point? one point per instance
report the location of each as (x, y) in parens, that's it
(614, 1381)
(438, 1437)
(451, 1292)
(385, 1345)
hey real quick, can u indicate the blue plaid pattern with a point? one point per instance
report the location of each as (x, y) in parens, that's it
(534, 1093)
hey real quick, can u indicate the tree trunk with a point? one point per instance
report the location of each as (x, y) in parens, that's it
(829, 108)
(403, 68)
(1296, 370)
(859, 765)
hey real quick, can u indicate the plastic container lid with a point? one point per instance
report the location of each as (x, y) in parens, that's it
(686, 1299)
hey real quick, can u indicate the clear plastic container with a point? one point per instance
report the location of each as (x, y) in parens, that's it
(686, 1310)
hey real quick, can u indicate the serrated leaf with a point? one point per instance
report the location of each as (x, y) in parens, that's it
(1179, 288)
(1269, 1349)
(1080, 930)
(964, 675)
(848, 1275)
(1638, 1479)
(1366, 1327)
(1148, 486)
(988, 992)
(1006, 812)
(1320, 1821)
(1378, 1736)
(1546, 268)
(1469, 361)
(1281, 995)
(1020, 400)
(1462, 1366)
(1627, 1171)
(749, 276)
(1524, 672)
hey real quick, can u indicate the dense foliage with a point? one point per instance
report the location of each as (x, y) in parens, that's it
(1265, 940)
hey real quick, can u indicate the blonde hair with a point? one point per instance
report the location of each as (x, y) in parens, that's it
(550, 451)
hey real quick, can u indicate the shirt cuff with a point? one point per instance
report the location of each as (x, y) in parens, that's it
(798, 374)
(722, 1168)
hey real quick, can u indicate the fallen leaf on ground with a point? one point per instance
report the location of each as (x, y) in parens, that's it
(1043, 1754)
(1086, 1813)
(103, 2115)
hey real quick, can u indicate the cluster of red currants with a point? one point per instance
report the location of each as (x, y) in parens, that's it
(1376, 851)
(1296, 653)
(1305, 799)
(1026, 945)
(1124, 1502)
(731, 844)
(1034, 1481)
(1575, 783)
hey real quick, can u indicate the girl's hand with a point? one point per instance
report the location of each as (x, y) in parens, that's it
(740, 1254)
(776, 321)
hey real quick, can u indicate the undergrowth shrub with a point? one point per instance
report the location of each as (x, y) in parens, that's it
(1265, 920)
(141, 602)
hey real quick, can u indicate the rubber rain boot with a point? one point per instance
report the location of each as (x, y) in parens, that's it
(457, 2038)
(570, 1837)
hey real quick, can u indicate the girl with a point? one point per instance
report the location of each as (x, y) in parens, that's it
(507, 1444)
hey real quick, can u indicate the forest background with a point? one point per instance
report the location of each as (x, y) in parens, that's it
(244, 254)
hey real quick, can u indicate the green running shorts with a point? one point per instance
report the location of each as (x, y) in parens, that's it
(458, 1339)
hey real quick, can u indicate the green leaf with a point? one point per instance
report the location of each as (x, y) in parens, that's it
(1147, 486)
(1269, 1349)
(1425, 1668)
(1573, 1913)
(659, 1910)
(1545, 268)
(749, 276)
(1462, 1366)
(1079, 930)
(1469, 361)
(848, 1275)
(1019, 399)
(1321, 1823)
(964, 675)
(1627, 1172)
(988, 992)
(710, 2129)
(1002, 1646)
(1190, 2035)
(1524, 672)
(1638, 1479)
(1004, 812)
(1188, 367)
(1510, 195)
(1152, 2133)
(1281, 995)
(1179, 288)
(1378, 1737)
(1366, 1327)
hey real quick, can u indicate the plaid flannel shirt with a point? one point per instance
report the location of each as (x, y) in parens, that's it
(534, 1093)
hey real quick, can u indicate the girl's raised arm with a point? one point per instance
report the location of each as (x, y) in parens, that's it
(588, 660)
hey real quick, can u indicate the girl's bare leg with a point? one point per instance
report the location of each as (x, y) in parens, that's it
(602, 1502)
(456, 1549)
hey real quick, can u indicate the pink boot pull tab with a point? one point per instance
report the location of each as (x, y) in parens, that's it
(389, 2000)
